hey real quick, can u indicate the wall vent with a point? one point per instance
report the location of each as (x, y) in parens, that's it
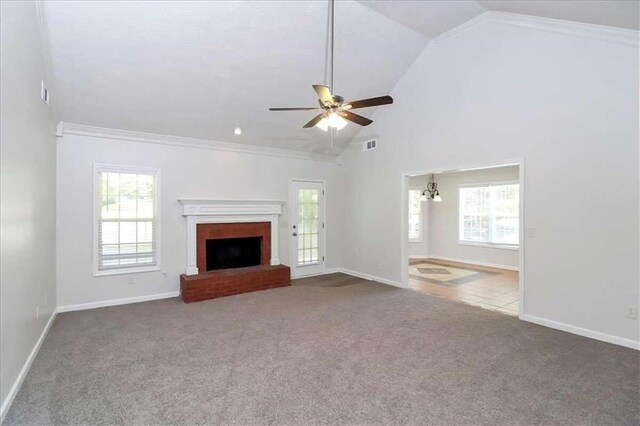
(44, 93)
(369, 145)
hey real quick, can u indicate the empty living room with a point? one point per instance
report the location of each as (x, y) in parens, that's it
(327, 212)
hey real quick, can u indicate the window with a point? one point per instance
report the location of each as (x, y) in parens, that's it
(126, 235)
(489, 214)
(415, 215)
(309, 225)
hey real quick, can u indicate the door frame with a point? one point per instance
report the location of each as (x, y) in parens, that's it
(404, 226)
(322, 236)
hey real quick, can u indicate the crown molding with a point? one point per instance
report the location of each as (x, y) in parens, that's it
(64, 129)
(578, 29)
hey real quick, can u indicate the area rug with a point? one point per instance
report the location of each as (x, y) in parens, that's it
(438, 273)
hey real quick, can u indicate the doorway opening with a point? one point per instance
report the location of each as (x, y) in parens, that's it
(463, 235)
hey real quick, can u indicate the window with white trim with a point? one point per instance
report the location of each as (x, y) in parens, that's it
(415, 215)
(489, 214)
(127, 220)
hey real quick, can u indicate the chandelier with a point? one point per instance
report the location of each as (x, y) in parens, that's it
(431, 193)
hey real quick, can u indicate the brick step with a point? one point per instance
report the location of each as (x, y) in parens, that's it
(227, 282)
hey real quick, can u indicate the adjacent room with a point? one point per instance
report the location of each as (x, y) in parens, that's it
(464, 236)
(330, 212)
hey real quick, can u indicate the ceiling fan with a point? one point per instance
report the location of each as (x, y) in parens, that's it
(334, 110)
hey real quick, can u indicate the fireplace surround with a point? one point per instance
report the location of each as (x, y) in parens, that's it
(213, 224)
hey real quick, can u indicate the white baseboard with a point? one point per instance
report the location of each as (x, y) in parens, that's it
(115, 302)
(6, 404)
(365, 276)
(585, 332)
(473, 262)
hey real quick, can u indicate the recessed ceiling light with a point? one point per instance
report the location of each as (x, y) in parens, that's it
(237, 131)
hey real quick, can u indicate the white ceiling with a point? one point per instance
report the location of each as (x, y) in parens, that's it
(200, 69)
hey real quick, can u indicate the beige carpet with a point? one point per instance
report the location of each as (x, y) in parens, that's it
(331, 350)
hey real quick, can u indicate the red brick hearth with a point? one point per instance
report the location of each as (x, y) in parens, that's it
(226, 282)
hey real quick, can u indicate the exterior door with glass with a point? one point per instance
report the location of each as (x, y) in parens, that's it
(307, 228)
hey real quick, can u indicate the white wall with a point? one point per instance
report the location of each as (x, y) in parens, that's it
(443, 221)
(495, 91)
(185, 173)
(27, 193)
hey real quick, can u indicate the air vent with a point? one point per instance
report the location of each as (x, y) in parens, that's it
(369, 145)
(44, 93)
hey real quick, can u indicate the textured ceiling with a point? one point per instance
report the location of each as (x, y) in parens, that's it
(200, 69)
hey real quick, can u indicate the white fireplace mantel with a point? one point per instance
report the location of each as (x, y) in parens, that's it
(228, 211)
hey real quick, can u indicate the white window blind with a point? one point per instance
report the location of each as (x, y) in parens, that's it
(126, 219)
(490, 214)
(415, 214)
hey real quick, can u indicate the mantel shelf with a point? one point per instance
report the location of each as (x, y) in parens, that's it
(202, 207)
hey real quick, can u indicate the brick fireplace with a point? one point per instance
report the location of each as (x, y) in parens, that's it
(231, 248)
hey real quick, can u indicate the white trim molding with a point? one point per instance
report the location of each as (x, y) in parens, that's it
(155, 138)
(116, 302)
(578, 29)
(229, 211)
(585, 332)
(364, 276)
(6, 404)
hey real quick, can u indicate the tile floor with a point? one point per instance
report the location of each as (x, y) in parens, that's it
(490, 288)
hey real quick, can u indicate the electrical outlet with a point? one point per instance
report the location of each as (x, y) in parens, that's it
(631, 313)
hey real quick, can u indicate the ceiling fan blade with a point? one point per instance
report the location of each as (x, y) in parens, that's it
(358, 119)
(323, 93)
(293, 109)
(314, 121)
(365, 103)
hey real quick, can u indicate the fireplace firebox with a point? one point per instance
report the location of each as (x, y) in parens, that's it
(225, 253)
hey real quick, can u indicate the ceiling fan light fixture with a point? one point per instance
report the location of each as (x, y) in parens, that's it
(323, 124)
(336, 121)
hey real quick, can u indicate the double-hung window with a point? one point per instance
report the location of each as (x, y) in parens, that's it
(415, 215)
(489, 214)
(126, 210)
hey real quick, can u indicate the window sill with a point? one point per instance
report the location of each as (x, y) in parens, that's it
(126, 271)
(489, 245)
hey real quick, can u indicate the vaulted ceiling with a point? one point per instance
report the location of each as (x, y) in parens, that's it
(200, 69)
